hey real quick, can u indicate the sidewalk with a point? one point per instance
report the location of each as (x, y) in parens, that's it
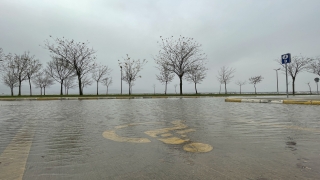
(298, 99)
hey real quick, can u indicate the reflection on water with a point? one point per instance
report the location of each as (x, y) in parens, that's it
(246, 141)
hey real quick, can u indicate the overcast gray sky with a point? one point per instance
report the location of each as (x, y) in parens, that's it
(247, 35)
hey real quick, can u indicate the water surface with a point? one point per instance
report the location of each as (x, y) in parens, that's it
(250, 141)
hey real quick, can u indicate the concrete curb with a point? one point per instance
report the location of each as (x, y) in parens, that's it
(97, 98)
(275, 101)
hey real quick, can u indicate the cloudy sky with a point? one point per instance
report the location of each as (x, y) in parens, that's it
(247, 35)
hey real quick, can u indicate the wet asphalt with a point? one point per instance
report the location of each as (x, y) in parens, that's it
(67, 140)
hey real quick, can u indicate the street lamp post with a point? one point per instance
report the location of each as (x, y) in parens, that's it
(277, 79)
(121, 79)
(317, 80)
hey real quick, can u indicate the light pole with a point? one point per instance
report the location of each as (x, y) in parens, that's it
(121, 79)
(317, 80)
(277, 79)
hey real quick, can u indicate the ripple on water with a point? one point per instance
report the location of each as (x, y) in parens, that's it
(68, 136)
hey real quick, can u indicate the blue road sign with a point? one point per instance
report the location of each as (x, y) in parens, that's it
(286, 58)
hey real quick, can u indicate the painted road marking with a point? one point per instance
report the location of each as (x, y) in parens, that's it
(197, 147)
(113, 136)
(14, 158)
(163, 135)
(177, 126)
(174, 140)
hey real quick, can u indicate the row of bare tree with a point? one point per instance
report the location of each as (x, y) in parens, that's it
(225, 74)
(184, 57)
(298, 64)
(75, 60)
(77, 63)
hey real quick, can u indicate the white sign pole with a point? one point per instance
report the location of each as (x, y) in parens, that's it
(287, 80)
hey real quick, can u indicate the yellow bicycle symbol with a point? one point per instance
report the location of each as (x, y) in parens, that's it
(163, 135)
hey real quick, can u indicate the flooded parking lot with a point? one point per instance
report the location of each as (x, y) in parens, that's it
(193, 138)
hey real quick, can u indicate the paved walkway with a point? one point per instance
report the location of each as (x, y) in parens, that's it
(298, 99)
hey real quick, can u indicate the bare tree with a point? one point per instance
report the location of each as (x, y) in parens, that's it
(225, 74)
(38, 81)
(165, 76)
(297, 65)
(309, 87)
(34, 66)
(68, 83)
(154, 89)
(59, 70)
(76, 54)
(196, 74)
(99, 72)
(255, 80)
(175, 88)
(86, 81)
(8, 77)
(241, 83)
(132, 84)
(20, 65)
(107, 82)
(314, 66)
(24, 67)
(180, 55)
(220, 82)
(131, 69)
(46, 81)
(43, 80)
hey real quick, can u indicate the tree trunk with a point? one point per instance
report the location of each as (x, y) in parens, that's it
(67, 91)
(11, 91)
(97, 88)
(255, 90)
(220, 89)
(41, 91)
(180, 77)
(293, 90)
(225, 88)
(107, 89)
(310, 88)
(30, 87)
(165, 90)
(80, 88)
(129, 88)
(195, 87)
(240, 89)
(61, 88)
(44, 91)
(19, 94)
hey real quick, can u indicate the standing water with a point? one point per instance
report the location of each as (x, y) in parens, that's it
(193, 138)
